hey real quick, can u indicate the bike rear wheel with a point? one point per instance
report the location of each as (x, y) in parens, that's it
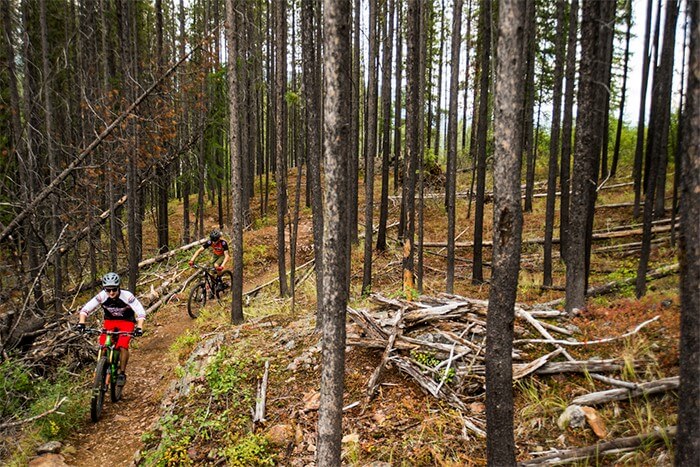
(224, 287)
(115, 391)
(98, 389)
(197, 299)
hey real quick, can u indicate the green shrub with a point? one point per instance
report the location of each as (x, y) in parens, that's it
(251, 450)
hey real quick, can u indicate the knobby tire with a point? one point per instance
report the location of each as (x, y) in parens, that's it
(197, 300)
(99, 389)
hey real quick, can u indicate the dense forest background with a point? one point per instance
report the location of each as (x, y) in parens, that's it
(112, 112)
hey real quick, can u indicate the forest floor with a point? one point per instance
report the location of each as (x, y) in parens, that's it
(401, 425)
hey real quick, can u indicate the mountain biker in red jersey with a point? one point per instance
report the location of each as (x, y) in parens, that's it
(122, 312)
(219, 249)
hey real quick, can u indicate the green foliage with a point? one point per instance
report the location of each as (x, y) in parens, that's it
(226, 376)
(72, 412)
(16, 388)
(255, 254)
(251, 450)
(430, 360)
(184, 344)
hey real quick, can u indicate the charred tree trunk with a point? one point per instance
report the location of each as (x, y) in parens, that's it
(687, 439)
(507, 222)
(554, 143)
(483, 123)
(337, 63)
(452, 143)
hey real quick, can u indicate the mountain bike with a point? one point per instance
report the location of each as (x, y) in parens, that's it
(106, 371)
(211, 286)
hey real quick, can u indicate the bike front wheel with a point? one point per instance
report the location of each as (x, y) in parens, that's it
(225, 285)
(197, 299)
(115, 390)
(99, 388)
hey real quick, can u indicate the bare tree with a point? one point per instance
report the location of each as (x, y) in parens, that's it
(483, 123)
(388, 31)
(586, 153)
(452, 142)
(312, 91)
(413, 142)
(337, 64)
(660, 118)
(507, 230)
(370, 146)
(687, 439)
(281, 138)
(567, 129)
(554, 142)
(236, 165)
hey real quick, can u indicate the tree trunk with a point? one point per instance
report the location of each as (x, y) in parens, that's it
(337, 64)
(397, 99)
(51, 153)
(658, 139)
(483, 123)
(507, 231)
(310, 34)
(554, 143)
(281, 138)
(413, 115)
(452, 143)
(232, 26)
(586, 154)
(639, 147)
(353, 167)
(371, 146)
(687, 440)
(567, 131)
(620, 121)
(386, 124)
(529, 148)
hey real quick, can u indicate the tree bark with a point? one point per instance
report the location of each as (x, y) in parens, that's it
(688, 441)
(566, 131)
(281, 138)
(337, 64)
(232, 26)
(554, 143)
(371, 147)
(483, 123)
(507, 231)
(586, 155)
(660, 116)
(452, 143)
(386, 124)
(310, 34)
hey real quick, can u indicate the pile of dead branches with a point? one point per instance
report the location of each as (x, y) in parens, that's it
(440, 343)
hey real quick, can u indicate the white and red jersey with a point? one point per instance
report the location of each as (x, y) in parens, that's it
(125, 307)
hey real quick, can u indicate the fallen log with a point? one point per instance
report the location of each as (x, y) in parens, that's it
(374, 380)
(590, 366)
(643, 389)
(612, 286)
(601, 449)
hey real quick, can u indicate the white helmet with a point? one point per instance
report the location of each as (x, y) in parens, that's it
(111, 279)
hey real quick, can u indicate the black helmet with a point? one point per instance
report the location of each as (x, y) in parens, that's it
(111, 279)
(215, 235)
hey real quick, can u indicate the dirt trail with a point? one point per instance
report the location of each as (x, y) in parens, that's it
(115, 438)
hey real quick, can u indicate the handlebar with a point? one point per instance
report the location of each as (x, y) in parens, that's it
(204, 267)
(106, 331)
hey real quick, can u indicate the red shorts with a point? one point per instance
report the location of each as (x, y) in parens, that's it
(118, 325)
